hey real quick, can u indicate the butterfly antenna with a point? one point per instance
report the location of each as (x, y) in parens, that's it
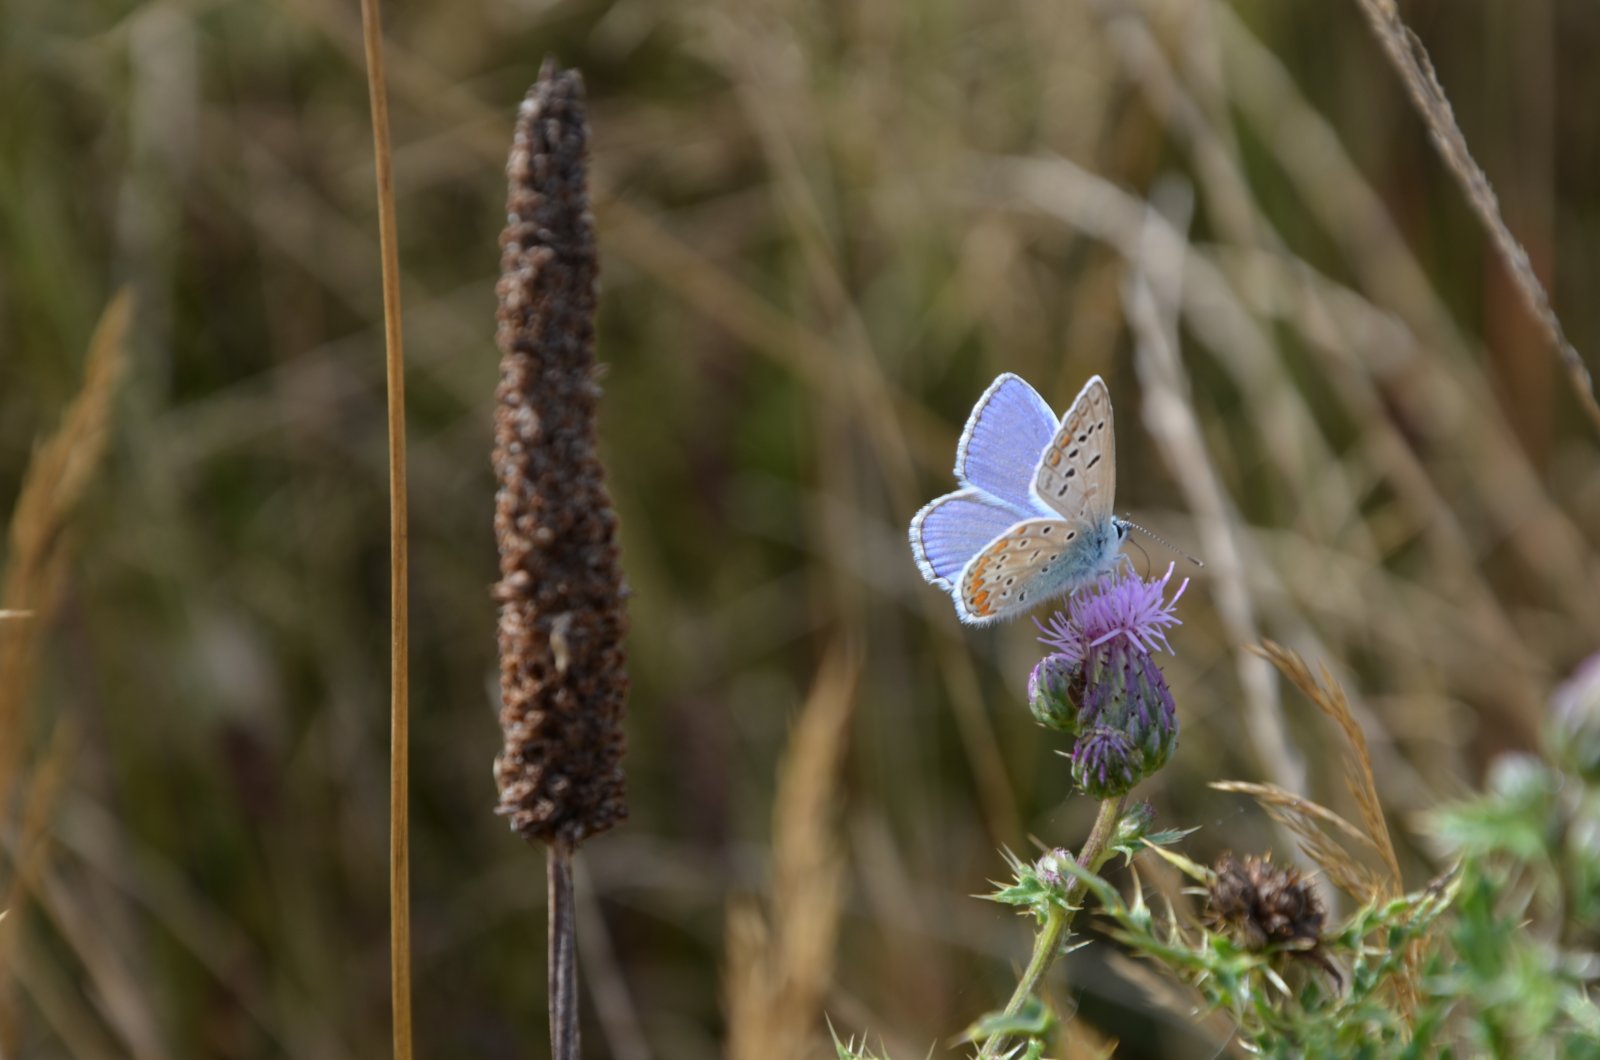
(1142, 552)
(1164, 541)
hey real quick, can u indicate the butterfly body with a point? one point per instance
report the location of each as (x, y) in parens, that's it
(1033, 518)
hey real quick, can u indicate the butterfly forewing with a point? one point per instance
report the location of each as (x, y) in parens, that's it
(1077, 472)
(1017, 570)
(999, 449)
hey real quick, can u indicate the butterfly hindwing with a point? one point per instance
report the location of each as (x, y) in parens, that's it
(1032, 560)
(1076, 474)
(999, 449)
(949, 531)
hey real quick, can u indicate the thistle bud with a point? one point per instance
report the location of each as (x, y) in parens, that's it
(1134, 825)
(1048, 867)
(1105, 763)
(1053, 691)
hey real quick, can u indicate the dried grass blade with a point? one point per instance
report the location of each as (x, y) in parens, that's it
(1310, 821)
(779, 967)
(1329, 698)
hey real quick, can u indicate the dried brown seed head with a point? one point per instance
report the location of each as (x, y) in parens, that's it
(1260, 904)
(563, 678)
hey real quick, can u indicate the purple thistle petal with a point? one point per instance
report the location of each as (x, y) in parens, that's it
(1117, 605)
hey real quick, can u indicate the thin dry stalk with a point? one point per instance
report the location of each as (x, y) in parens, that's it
(399, 616)
(562, 956)
(1410, 60)
(779, 965)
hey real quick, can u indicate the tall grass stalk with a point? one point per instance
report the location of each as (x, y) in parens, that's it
(399, 618)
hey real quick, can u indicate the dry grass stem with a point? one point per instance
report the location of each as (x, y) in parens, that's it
(779, 964)
(399, 521)
(1411, 62)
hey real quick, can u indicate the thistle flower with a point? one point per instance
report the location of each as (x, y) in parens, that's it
(1259, 904)
(1103, 684)
(1117, 607)
(562, 676)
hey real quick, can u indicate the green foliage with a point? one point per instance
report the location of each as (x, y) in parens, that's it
(1037, 886)
(1033, 1024)
(1517, 975)
(1496, 957)
(1346, 997)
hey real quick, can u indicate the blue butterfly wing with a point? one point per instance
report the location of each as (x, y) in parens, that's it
(999, 450)
(954, 528)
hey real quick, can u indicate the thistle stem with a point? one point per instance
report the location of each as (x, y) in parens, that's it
(1047, 944)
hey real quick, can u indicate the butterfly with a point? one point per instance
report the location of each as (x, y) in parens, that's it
(1033, 517)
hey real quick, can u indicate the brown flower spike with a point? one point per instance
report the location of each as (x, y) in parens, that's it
(562, 671)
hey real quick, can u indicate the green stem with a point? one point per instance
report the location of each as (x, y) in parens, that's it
(1047, 944)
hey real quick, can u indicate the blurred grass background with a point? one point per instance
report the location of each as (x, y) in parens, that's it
(825, 228)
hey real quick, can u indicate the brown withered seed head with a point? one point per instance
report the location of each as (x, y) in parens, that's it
(563, 679)
(1260, 904)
